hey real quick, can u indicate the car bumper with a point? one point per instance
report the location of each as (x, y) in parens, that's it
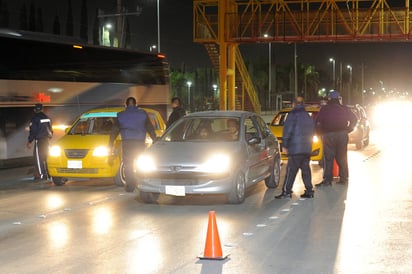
(99, 169)
(182, 186)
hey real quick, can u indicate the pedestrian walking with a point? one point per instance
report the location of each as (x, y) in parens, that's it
(133, 124)
(333, 123)
(177, 113)
(40, 133)
(297, 141)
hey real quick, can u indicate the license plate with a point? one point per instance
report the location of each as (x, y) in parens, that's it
(74, 164)
(175, 190)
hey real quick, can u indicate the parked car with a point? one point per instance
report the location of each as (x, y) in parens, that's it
(84, 151)
(276, 126)
(211, 152)
(360, 134)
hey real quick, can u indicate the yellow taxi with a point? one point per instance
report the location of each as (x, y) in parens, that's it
(84, 151)
(276, 126)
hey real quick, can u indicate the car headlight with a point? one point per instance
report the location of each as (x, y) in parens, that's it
(145, 163)
(218, 163)
(101, 151)
(315, 139)
(55, 151)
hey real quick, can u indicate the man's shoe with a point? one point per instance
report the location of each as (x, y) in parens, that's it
(284, 195)
(307, 195)
(324, 183)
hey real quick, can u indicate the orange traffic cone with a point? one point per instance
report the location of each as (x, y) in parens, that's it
(335, 171)
(213, 248)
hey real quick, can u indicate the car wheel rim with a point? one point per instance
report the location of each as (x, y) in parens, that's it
(240, 187)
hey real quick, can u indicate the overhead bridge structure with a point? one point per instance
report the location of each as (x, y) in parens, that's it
(221, 25)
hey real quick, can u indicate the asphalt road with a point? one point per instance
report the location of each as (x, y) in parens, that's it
(92, 226)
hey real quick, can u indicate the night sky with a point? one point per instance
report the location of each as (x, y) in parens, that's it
(390, 63)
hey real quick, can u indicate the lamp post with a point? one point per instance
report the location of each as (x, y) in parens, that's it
(152, 47)
(269, 71)
(349, 67)
(189, 84)
(158, 25)
(333, 71)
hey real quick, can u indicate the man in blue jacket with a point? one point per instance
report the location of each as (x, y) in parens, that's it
(297, 141)
(133, 123)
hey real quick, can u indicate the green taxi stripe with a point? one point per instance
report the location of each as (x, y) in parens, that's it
(99, 114)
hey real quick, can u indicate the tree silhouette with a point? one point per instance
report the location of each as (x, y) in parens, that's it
(56, 25)
(4, 15)
(69, 22)
(96, 29)
(39, 22)
(32, 17)
(84, 26)
(23, 17)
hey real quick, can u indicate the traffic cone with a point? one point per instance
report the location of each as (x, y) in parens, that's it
(335, 171)
(213, 248)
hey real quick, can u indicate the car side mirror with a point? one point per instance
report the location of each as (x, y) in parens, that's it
(254, 140)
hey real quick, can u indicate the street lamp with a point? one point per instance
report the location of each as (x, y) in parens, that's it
(152, 47)
(106, 36)
(189, 84)
(333, 71)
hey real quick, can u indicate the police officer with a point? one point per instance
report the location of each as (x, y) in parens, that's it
(40, 133)
(297, 141)
(333, 123)
(133, 123)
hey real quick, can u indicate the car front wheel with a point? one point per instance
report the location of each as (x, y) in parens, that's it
(120, 180)
(237, 195)
(148, 197)
(59, 181)
(273, 180)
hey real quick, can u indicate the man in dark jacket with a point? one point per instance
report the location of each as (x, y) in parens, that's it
(177, 113)
(333, 124)
(133, 123)
(297, 141)
(40, 133)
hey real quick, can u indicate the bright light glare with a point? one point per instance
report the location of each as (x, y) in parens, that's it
(55, 151)
(218, 163)
(393, 114)
(102, 220)
(60, 127)
(145, 163)
(53, 202)
(315, 139)
(101, 151)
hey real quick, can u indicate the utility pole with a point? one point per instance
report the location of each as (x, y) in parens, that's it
(120, 14)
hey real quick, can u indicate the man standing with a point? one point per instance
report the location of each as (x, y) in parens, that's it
(133, 123)
(40, 133)
(177, 113)
(333, 123)
(297, 141)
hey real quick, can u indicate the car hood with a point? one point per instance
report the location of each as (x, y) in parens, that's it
(82, 141)
(190, 153)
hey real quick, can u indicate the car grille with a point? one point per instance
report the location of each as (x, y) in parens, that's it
(180, 182)
(76, 153)
(78, 170)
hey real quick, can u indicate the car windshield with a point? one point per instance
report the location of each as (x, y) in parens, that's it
(204, 129)
(93, 126)
(280, 118)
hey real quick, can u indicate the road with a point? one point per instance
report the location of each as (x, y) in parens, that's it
(92, 226)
